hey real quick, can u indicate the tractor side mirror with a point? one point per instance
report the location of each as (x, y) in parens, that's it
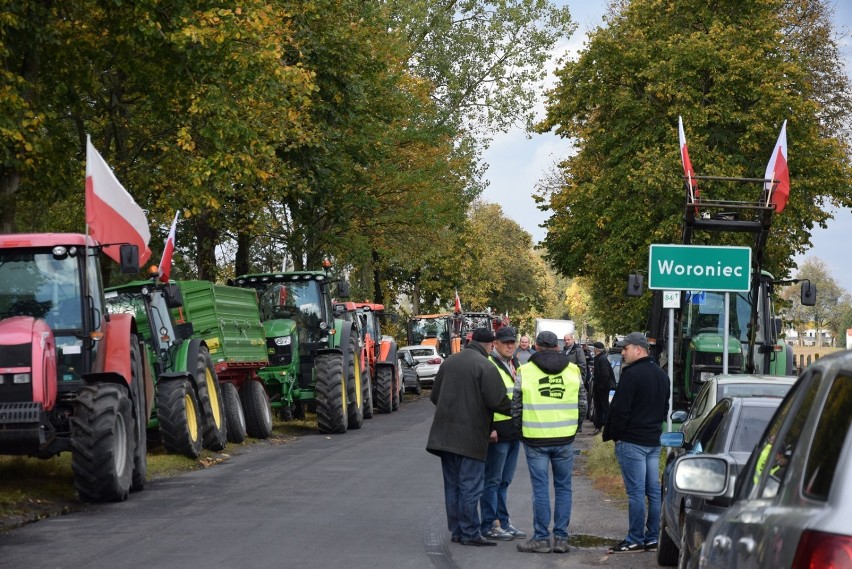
(172, 296)
(809, 293)
(635, 285)
(129, 255)
(343, 289)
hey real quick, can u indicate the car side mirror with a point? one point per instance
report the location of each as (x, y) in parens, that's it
(129, 255)
(343, 289)
(679, 416)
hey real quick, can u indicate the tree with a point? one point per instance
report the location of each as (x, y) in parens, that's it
(828, 311)
(734, 71)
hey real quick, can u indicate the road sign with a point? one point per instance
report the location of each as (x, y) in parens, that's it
(671, 299)
(699, 267)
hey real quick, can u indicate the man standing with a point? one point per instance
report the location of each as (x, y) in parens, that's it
(467, 392)
(503, 450)
(548, 401)
(524, 350)
(576, 354)
(602, 384)
(635, 423)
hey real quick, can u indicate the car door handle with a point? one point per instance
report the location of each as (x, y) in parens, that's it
(745, 546)
(722, 543)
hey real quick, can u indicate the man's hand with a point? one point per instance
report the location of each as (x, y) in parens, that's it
(493, 437)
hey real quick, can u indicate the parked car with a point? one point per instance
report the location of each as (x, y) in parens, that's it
(732, 428)
(791, 502)
(410, 379)
(615, 360)
(429, 360)
(731, 385)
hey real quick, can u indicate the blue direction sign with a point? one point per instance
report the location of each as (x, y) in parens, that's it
(699, 267)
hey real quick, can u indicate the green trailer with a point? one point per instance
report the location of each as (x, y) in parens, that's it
(227, 320)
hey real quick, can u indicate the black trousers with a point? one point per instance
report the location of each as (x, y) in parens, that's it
(601, 408)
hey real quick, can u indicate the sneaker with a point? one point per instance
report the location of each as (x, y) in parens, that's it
(651, 546)
(515, 532)
(497, 534)
(560, 545)
(535, 546)
(627, 547)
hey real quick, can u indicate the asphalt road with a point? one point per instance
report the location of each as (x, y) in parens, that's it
(368, 499)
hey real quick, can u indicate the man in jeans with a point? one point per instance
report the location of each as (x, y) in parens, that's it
(548, 401)
(635, 423)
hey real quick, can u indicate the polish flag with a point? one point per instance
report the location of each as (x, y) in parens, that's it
(687, 164)
(777, 170)
(458, 307)
(166, 261)
(112, 216)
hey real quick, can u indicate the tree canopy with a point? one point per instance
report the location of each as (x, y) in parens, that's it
(735, 71)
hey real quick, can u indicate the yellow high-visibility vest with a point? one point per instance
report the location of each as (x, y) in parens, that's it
(510, 388)
(551, 401)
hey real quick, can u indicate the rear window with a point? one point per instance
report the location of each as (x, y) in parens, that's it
(419, 353)
(754, 390)
(829, 438)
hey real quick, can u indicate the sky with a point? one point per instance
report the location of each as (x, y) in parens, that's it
(517, 161)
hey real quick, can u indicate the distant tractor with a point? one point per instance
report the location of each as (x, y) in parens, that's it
(438, 330)
(313, 356)
(72, 377)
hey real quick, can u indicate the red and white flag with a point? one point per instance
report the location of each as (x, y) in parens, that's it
(111, 213)
(458, 307)
(777, 170)
(165, 268)
(688, 171)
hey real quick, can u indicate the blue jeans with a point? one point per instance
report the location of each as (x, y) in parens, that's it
(499, 471)
(463, 481)
(560, 459)
(640, 467)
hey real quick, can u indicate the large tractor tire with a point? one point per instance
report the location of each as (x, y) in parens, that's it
(256, 408)
(367, 388)
(140, 418)
(332, 415)
(384, 389)
(234, 415)
(214, 428)
(179, 416)
(354, 394)
(102, 432)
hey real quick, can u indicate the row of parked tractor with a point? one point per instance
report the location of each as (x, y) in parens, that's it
(98, 371)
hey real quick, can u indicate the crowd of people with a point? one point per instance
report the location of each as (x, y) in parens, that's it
(494, 397)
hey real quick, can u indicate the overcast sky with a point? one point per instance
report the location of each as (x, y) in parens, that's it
(517, 163)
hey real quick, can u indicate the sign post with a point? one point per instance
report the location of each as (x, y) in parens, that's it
(673, 268)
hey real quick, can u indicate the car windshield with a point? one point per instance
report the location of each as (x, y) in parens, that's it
(751, 425)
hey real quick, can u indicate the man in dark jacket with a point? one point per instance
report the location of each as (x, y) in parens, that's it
(602, 383)
(467, 392)
(576, 355)
(548, 403)
(635, 423)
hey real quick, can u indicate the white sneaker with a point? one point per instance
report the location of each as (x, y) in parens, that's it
(497, 534)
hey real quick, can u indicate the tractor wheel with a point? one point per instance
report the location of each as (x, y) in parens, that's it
(214, 427)
(330, 393)
(384, 389)
(179, 416)
(354, 393)
(397, 396)
(102, 446)
(367, 388)
(140, 423)
(256, 408)
(234, 416)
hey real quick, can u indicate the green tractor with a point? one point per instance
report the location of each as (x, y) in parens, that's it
(314, 358)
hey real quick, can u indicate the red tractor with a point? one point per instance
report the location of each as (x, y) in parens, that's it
(72, 377)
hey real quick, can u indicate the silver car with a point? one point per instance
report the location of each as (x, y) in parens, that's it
(428, 361)
(792, 501)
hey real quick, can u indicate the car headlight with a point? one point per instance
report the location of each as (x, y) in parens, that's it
(283, 341)
(21, 378)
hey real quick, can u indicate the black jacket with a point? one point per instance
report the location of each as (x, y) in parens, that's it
(640, 404)
(604, 377)
(466, 393)
(551, 362)
(576, 354)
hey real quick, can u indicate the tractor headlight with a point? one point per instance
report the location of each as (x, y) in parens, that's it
(283, 341)
(21, 378)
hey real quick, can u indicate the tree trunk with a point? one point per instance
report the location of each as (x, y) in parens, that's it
(10, 181)
(242, 263)
(378, 295)
(205, 244)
